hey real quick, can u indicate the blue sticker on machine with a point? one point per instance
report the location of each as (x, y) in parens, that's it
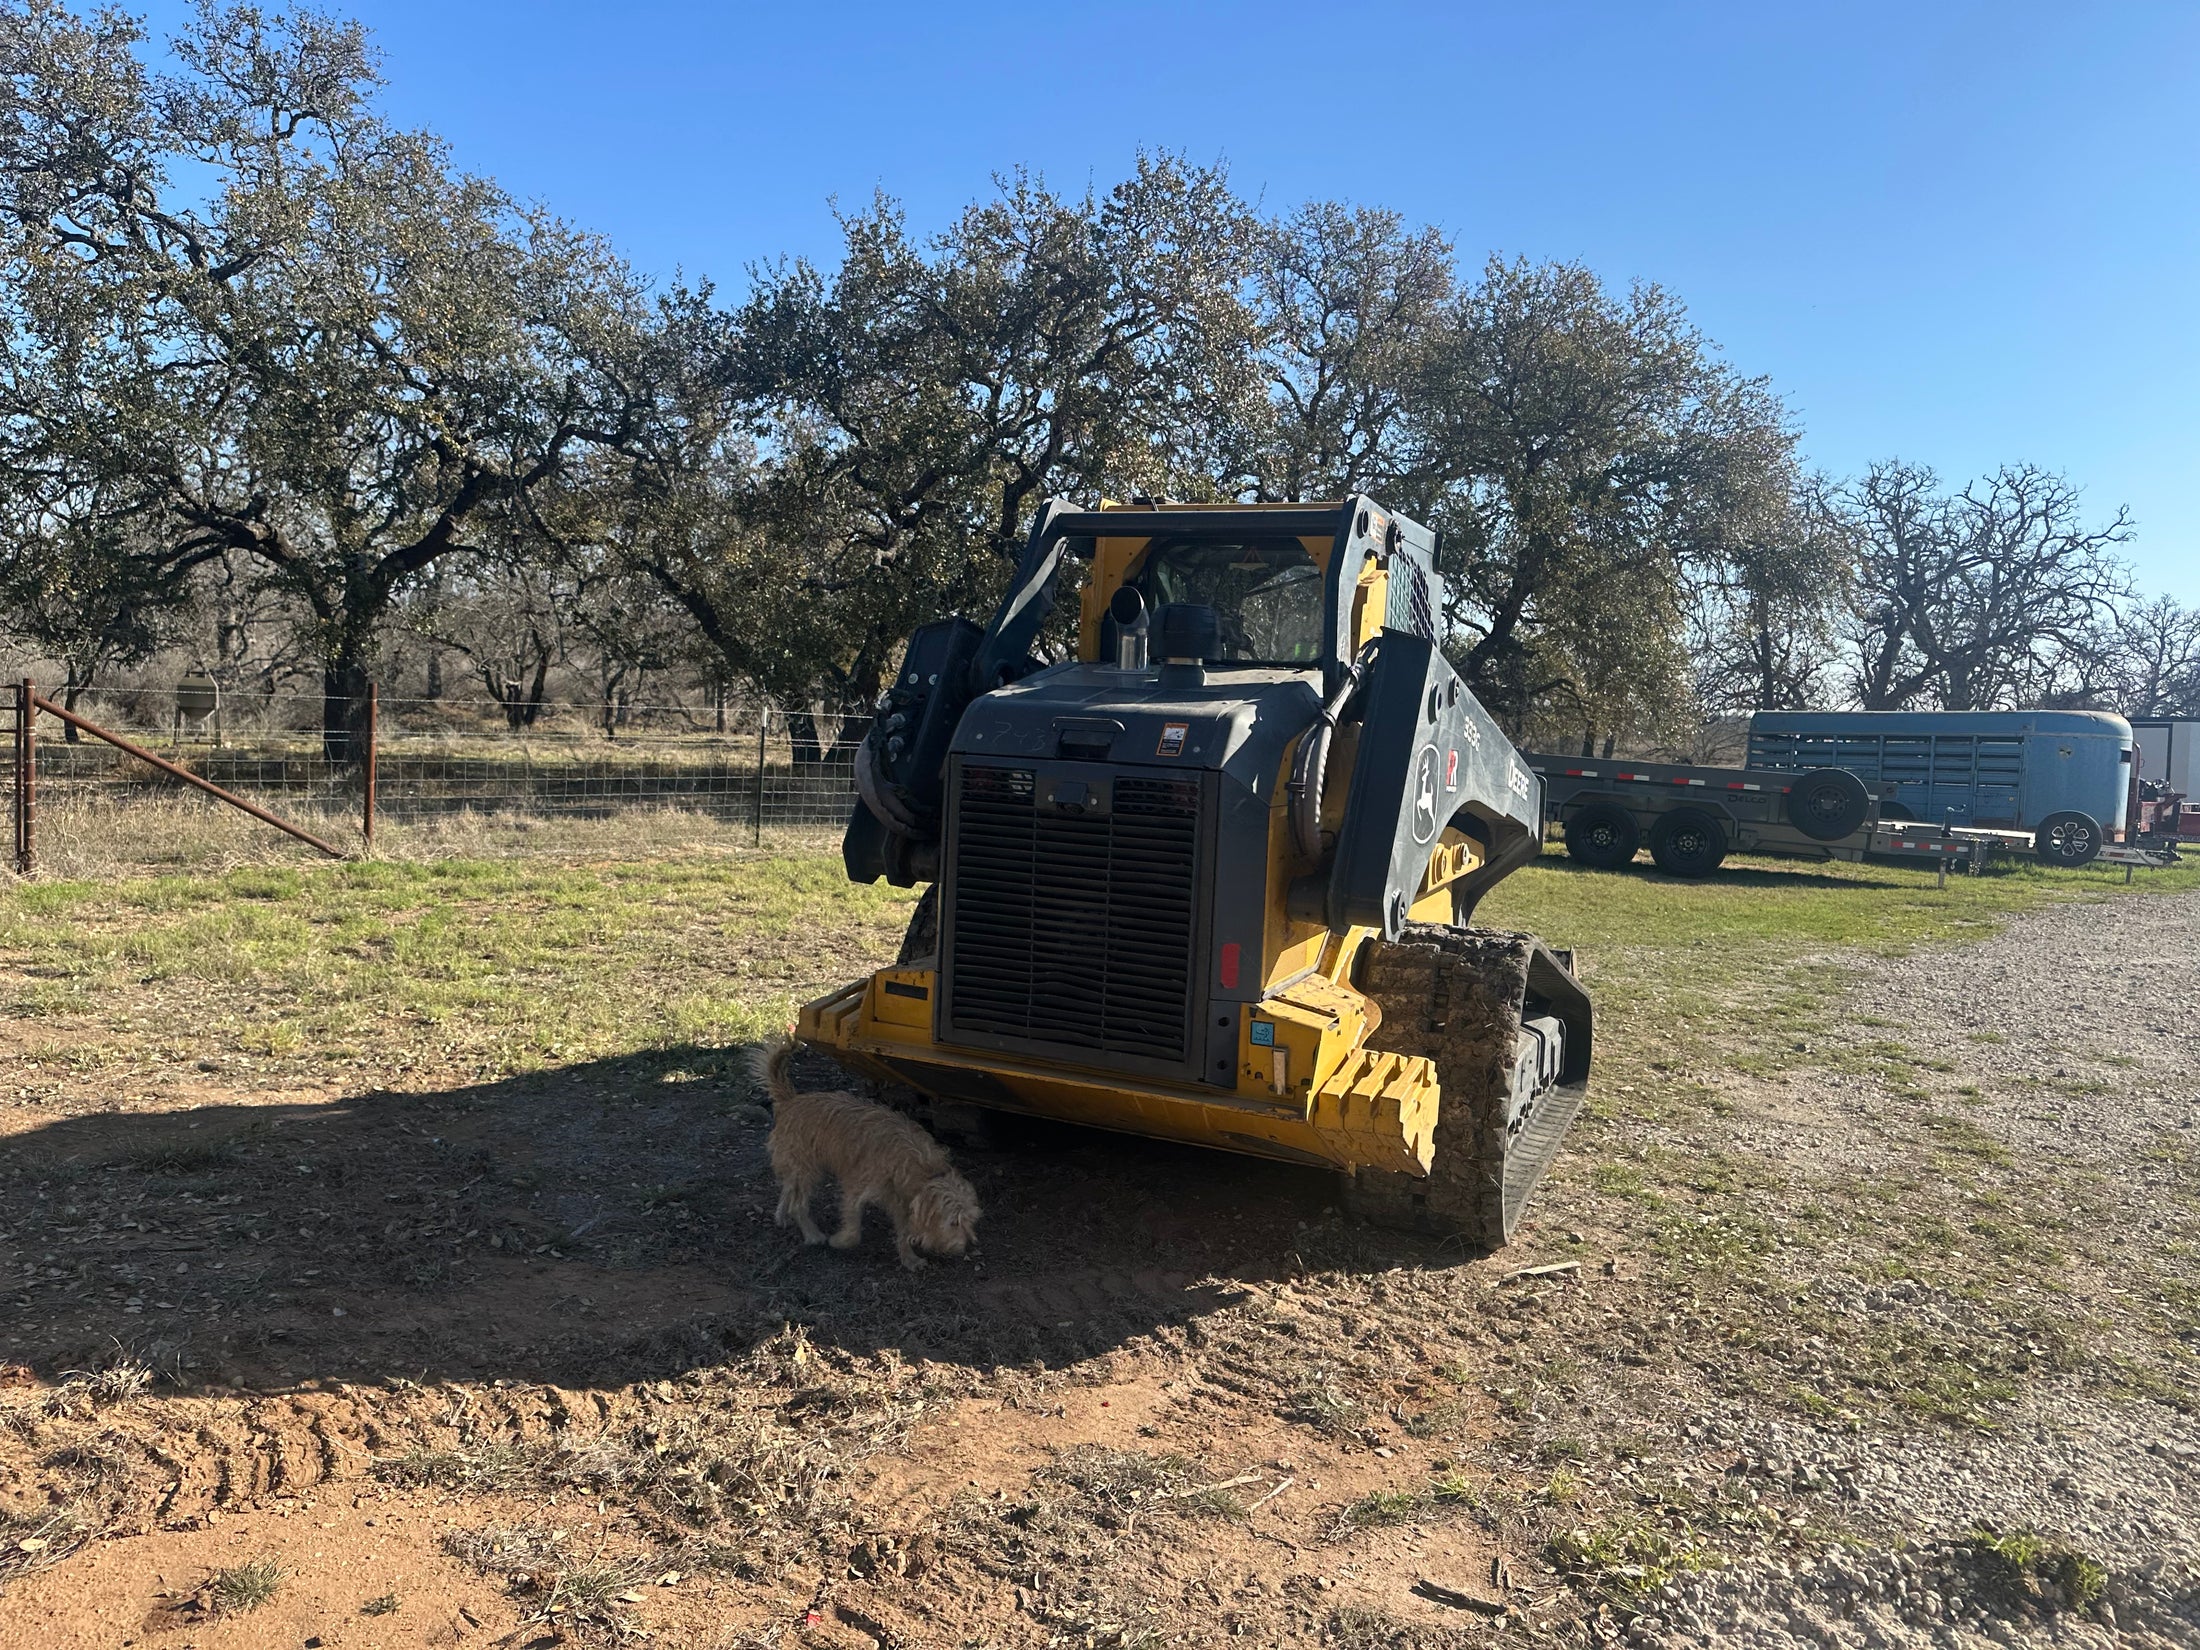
(1264, 1034)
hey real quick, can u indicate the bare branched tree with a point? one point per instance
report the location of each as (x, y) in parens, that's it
(1971, 601)
(2141, 660)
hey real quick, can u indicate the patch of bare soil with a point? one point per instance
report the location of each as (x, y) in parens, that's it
(530, 1358)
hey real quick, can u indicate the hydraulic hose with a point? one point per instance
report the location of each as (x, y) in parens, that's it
(1311, 763)
(881, 795)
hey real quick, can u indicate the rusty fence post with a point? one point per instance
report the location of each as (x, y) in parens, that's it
(26, 779)
(366, 823)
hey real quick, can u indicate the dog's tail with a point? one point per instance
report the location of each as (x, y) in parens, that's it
(772, 1064)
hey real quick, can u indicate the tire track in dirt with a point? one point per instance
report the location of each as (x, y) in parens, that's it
(169, 1463)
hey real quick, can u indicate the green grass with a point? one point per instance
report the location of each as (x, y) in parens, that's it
(486, 966)
(243, 1588)
(1746, 963)
(2023, 1554)
(462, 967)
(432, 973)
(1622, 1558)
(1793, 904)
(1382, 1507)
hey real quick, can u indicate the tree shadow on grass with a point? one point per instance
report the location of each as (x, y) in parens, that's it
(586, 1227)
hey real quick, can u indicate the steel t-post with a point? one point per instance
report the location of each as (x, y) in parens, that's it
(763, 726)
(366, 822)
(26, 779)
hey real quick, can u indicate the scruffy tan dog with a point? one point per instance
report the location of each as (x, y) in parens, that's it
(878, 1156)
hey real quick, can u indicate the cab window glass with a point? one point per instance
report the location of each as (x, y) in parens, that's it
(1267, 593)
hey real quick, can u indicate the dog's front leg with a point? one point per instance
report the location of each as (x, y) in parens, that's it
(905, 1245)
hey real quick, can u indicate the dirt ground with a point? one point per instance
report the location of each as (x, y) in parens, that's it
(376, 1323)
(525, 1362)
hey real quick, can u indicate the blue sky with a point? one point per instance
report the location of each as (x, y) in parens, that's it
(1965, 234)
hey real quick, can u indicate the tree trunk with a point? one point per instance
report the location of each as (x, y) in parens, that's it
(435, 674)
(344, 709)
(535, 691)
(614, 701)
(820, 736)
(71, 690)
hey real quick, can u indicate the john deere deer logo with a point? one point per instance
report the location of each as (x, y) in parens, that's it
(1425, 812)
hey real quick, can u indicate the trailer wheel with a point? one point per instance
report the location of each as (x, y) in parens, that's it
(1603, 835)
(1828, 804)
(1687, 843)
(2067, 840)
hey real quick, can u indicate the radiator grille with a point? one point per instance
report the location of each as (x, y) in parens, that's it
(1075, 932)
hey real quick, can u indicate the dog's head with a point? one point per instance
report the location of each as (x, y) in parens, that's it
(944, 1214)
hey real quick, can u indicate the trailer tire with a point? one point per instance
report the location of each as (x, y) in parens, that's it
(1687, 843)
(2067, 840)
(1828, 804)
(1603, 835)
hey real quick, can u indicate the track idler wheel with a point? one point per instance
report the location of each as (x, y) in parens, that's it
(1509, 1030)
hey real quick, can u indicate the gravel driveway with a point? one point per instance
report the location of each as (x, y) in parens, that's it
(2069, 1041)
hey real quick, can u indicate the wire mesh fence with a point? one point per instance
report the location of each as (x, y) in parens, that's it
(750, 768)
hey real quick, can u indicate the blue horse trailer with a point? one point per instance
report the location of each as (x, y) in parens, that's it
(2063, 775)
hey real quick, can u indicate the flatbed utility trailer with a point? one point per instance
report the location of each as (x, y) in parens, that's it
(1692, 817)
(1978, 843)
(1947, 847)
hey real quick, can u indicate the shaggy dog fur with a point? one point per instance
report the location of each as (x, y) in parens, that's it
(879, 1157)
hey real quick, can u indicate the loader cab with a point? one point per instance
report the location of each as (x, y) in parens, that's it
(1300, 587)
(1266, 595)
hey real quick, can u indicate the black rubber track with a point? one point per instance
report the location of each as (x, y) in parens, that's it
(922, 938)
(1454, 996)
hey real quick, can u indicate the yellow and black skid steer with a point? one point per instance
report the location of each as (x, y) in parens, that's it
(1212, 879)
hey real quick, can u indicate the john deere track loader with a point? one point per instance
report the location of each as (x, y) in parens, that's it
(1212, 879)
